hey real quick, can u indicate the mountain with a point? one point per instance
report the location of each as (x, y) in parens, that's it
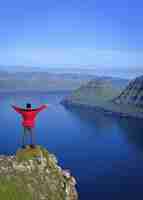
(34, 174)
(19, 68)
(39, 81)
(133, 93)
(47, 81)
(104, 95)
(99, 90)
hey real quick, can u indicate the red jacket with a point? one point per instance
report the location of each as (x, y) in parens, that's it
(29, 115)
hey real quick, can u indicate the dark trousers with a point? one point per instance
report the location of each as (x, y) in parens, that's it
(28, 131)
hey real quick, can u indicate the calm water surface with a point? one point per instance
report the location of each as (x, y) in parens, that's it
(104, 153)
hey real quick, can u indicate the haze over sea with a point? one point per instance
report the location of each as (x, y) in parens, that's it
(104, 153)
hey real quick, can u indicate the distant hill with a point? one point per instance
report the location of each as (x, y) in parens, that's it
(103, 94)
(47, 81)
(100, 89)
(40, 81)
(19, 68)
(95, 91)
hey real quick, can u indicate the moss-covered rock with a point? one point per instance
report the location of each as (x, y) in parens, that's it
(33, 174)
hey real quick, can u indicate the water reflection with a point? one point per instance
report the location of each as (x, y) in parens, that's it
(128, 128)
(95, 125)
(132, 130)
(94, 118)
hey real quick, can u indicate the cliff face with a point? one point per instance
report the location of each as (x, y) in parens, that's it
(133, 93)
(33, 174)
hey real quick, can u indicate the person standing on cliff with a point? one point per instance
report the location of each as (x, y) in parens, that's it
(29, 115)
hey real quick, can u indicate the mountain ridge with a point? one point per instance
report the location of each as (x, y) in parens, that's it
(108, 99)
(46, 81)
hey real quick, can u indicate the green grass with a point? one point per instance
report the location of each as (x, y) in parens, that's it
(28, 153)
(13, 190)
(98, 94)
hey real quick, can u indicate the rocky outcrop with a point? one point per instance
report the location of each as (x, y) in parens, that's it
(33, 174)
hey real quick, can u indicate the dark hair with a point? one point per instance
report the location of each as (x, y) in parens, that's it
(28, 105)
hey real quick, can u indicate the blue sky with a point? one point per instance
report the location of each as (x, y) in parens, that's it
(104, 33)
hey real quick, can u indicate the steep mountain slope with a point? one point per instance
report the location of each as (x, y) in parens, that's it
(97, 91)
(133, 93)
(103, 95)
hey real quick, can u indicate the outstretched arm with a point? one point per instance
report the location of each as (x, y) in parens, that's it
(17, 109)
(41, 108)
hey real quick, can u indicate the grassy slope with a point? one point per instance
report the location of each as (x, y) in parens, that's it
(101, 97)
(95, 93)
(13, 189)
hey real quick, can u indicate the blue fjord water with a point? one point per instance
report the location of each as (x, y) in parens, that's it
(103, 152)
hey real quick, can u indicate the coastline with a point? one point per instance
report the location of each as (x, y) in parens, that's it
(106, 109)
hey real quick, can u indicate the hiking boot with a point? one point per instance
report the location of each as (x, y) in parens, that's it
(32, 146)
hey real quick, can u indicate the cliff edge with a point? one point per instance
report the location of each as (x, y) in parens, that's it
(33, 174)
